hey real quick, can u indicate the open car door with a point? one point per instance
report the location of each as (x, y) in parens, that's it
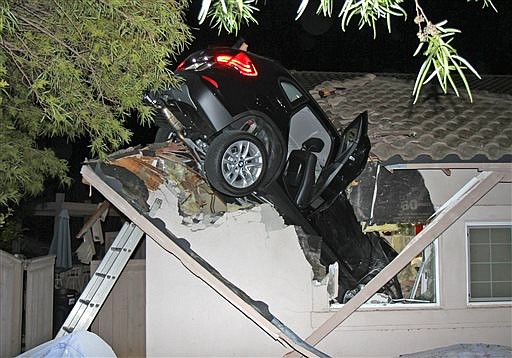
(300, 181)
(348, 163)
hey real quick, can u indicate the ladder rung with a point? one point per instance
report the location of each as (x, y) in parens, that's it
(105, 275)
(89, 303)
(68, 329)
(119, 249)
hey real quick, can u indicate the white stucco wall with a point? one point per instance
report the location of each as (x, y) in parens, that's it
(253, 250)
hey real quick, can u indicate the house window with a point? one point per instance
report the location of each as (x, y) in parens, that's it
(418, 280)
(490, 263)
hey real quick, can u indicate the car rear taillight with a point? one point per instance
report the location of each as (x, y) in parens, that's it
(241, 62)
(181, 66)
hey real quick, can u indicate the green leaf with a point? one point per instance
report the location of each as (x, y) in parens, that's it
(302, 6)
(461, 74)
(418, 49)
(421, 77)
(453, 85)
(468, 65)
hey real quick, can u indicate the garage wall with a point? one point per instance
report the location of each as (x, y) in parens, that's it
(185, 317)
(252, 249)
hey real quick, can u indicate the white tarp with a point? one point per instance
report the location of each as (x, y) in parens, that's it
(75, 345)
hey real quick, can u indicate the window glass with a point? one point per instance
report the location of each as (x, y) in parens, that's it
(292, 92)
(490, 263)
(305, 125)
(418, 279)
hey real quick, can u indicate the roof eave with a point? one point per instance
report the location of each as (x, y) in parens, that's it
(496, 167)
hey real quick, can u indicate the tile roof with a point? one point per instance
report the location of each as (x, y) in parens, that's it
(438, 129)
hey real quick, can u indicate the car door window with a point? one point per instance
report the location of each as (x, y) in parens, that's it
(305, 125)
(291, 91)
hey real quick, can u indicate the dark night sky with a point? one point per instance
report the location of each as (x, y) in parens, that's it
(317, 43)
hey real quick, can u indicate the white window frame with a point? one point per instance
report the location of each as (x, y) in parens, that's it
(406, 306)
(438, 276)
(480, 224)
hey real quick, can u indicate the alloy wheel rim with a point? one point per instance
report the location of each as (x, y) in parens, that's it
(242, 164)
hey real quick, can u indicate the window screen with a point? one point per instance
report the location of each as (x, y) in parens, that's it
(490, 263)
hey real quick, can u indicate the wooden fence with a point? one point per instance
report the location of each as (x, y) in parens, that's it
(37, 309)
(121, 321)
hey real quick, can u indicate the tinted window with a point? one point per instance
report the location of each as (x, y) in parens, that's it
(291, 91)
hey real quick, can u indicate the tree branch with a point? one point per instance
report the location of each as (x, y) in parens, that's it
(71, 22)
(86, 62)
(126, 16)
(33, 12)
(6, 46)
(52, 36)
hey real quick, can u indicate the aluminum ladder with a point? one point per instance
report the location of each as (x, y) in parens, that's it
(104, 279)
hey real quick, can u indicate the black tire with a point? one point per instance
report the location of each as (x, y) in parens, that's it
(269, 135)
(236, 163)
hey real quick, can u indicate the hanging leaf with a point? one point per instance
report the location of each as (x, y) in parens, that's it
(443, 59)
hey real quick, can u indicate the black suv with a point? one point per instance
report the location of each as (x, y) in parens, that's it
(254, 131)
(249, 123)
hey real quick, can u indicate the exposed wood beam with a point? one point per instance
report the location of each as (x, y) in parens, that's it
(74, 209)
(464, 199)
(191, 264)
(100, 209)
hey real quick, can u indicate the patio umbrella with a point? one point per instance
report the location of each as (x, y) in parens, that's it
(61, 242)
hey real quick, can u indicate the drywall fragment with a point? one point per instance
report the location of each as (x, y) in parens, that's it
(326, 290)
(332, 281)
(272, 221)
(311, 245)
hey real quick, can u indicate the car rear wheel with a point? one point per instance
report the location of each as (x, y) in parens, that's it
(236, 163)
(262, 127)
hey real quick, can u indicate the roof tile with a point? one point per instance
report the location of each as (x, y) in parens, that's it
(439, 128)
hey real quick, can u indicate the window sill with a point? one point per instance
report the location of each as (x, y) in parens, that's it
(390, 307)
(506, 304)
